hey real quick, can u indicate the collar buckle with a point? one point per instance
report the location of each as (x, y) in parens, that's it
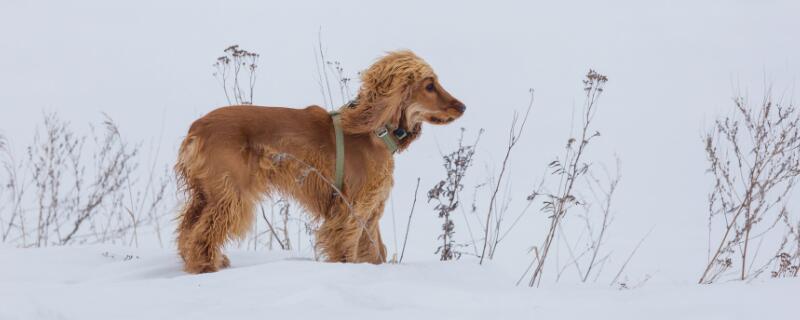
(382, 132)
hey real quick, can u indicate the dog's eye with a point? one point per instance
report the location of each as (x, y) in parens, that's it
(430, 87)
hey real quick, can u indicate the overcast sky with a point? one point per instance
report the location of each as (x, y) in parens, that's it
(673, 66)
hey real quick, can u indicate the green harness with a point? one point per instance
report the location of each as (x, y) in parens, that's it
(390, 139)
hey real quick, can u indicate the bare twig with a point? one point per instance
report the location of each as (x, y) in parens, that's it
(514, 136)
(630, 256)
(324, 75)
(606, 209)
(271, 229)
(408, 224)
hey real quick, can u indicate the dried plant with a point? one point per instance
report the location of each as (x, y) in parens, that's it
(283, 212)
(341, 79)
(408, 224)
(113, 167)
(597, 236)
(491, 232)
(447, 193)
(472, 213)
(754, 157)
(13, 219)
(787, 265)
(628, 260)
(53, 154)
(76, 196)
(788, 258)
(568, 170)
(283, 244)
(586, 254)
(336, 69)
(232, 70)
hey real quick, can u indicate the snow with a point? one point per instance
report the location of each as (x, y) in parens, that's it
(107, 282)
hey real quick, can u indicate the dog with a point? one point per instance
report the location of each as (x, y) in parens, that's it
(234, 156)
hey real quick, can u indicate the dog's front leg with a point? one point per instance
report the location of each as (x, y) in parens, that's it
(370, 247)
(352, 234)
(337, 237)
(358, 239)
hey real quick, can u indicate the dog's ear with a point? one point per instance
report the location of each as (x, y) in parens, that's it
(371, 113)
(386, 90)
(396, 102)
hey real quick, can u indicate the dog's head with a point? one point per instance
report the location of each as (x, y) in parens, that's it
(433, 104)
(401, 90)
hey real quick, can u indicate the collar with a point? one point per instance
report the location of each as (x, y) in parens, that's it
(390, 137)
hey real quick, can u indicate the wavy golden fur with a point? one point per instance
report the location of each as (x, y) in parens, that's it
(234, 156)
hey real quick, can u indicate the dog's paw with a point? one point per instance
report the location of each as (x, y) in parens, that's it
(225, 263)
(201, 268)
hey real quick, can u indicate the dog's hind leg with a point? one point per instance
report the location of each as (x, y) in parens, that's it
(228, 216)
(189, 216)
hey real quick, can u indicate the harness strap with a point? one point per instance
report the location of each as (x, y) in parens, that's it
(337, 128)
(390, 139)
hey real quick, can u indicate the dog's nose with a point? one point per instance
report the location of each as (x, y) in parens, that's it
(460, 107)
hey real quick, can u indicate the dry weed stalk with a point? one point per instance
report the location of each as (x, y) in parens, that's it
(235, 63)
(447, 193)
(754, 156)
(335, 67)
(568, 169)
(408, 224)
(492, 236)
(16, 184)
(283, 243)
(602, 192)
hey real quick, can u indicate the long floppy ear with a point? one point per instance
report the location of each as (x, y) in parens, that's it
(373, 110)
(386, 89)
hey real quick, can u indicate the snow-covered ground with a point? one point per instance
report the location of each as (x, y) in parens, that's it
(105, 282)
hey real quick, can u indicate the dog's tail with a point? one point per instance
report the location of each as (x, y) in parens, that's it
(189, 163)
(188, 173)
